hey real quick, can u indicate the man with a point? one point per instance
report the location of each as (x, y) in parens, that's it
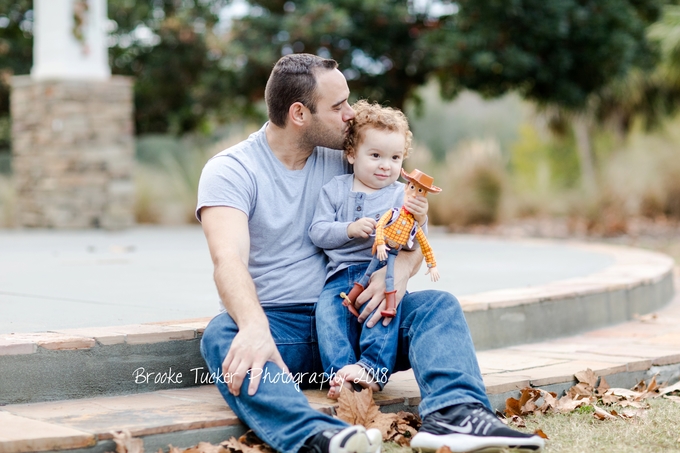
(256, 201)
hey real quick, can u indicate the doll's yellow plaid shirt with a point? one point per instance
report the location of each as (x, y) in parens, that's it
(399, 231)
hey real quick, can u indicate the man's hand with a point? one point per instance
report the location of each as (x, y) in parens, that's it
(361, 228)
(417, 206)
(251, 349)
(374, 296)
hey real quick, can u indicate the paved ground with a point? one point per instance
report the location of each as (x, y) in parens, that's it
(183, 417)
(70, 279)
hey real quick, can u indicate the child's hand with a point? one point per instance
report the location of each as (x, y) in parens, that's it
(417, 206)
(362, 228)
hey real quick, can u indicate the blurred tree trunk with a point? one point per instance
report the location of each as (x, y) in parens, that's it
(581, 125)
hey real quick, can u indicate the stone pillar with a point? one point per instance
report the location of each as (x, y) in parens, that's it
(72, 124)
(73, 152)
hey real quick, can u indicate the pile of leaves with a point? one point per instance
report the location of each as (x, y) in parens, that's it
(356, 408)
(589, 393)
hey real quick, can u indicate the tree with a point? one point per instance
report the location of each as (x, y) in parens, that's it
(171, 49)
(16, 53)
(376, 43)
(170, 46)
(574, 55)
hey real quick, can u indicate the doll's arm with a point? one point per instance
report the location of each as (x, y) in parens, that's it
(428, 254)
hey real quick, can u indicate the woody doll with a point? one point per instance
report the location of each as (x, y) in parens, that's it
(396, 229)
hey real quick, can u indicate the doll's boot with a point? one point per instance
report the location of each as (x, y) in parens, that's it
(390, 304)
(348, 299)
(357, 289)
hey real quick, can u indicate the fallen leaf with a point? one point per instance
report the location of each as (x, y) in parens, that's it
(673, 388)
(653, 386)
(610, 399)
(357, 408)
(640, 387)
(602, 414)
(603, 387)
(518, 421)
(566, 404)
(646, 318)
(203, 447)
(443, 449)
(125, 443)
(632, 413)
(587, 376)
(233, 445)
(512, 407)
(622, 392)
(403, 428)
(635, 404)
(541, 434)
(549, 402)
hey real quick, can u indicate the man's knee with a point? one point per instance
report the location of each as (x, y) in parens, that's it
(217, 336)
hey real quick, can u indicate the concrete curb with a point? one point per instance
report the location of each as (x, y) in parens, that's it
(639, 282)
(79, 363)
(624, 354)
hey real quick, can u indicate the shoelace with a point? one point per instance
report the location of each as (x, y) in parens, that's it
(481, 421)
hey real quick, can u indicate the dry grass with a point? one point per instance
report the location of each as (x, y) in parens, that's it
(655, 432)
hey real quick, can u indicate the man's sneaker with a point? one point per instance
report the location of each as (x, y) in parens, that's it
(353, 439)
(471, 428)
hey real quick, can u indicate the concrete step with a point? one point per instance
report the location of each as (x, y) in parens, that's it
(625, 354)
(79, 363)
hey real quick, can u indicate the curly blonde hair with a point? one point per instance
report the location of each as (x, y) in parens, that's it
(377, 117)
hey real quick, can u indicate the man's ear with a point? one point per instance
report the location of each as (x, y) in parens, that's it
(298, 113)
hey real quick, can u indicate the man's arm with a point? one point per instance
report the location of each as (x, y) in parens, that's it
(226, 230)
(406, 265)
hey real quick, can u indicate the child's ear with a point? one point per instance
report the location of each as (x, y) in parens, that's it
(350, 158)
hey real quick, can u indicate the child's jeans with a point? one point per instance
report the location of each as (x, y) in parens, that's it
(344, 341)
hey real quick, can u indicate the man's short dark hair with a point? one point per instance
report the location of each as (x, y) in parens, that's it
(293, 79)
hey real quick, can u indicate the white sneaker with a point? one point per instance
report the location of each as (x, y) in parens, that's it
(353, 439)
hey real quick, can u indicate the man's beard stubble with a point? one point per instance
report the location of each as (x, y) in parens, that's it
(318, 135)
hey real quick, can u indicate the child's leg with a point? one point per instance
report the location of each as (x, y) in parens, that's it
(337, 329)
(379, 351)
(349, 375)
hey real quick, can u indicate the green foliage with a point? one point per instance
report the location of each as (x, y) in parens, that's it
(172, 50)
(544, 163)
(16, 53)
(375, 42)
(585, 410)
(443, 125)
(191, 72)
(555, 52)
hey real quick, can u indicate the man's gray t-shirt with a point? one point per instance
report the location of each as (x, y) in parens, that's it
(284, 263)
(338, 206)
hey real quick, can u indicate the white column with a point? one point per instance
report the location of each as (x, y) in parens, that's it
(57, 53)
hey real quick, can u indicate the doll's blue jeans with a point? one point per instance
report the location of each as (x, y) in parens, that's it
(434, 340)
(343, 340)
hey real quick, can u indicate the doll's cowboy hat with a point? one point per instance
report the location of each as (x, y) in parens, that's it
(420, 178)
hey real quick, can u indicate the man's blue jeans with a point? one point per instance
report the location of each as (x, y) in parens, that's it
(343, 340)
(434, 340)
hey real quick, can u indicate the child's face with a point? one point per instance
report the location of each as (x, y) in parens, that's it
(377, 161)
